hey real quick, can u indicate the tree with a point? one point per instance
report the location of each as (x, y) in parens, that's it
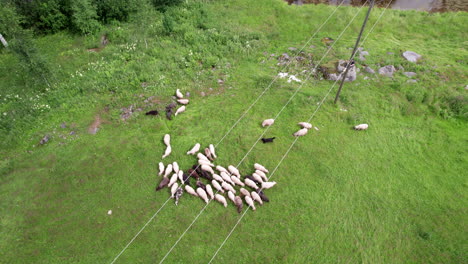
(84, 18)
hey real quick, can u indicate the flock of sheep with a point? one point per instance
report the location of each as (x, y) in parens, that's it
(224, 181)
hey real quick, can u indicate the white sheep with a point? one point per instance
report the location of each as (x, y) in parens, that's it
(221, 169)
(217, 177)
(180, 175)
(256, 197)
(190, 190)
(260, 167)
(173, 179)
(268, 122)
(217, 186)
(183, 101)
(167, 139)
(179, 94)
(301, 132)
(168, 170)
(202, 194)
(250, 183)
(237, 181)
(174, 189)
(194, 150)
(202, 157)
(361, 127)
(209, 190)
(226, 178)
(204, 162)
(212, 149)
(180, 110)
(161, 168)
(221, 199)
(207, 168)
(262, 174)
(244, 192)
(250, 202)
(257, 177)
(167, 152)
(231, 197)
(234, 171)
(175, 166)
(228, 187)
(305, 125)
(268, 185)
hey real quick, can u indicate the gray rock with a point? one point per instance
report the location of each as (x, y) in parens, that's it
(187, 94)
(312, 46)
(411, 56)
(341, 67)
(72, 133)
(292, 48)
(369, 70)
(366, 78)
(388, 70)
(400, 68)
(361, 57)
(410, 74)
(203, 94)
(466, 87)
(390, 53)
(412, 81)
(63, 125)
(44, 140)
(364, 53)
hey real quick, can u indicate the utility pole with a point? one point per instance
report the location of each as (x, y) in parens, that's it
(3, 40)
(351, 62)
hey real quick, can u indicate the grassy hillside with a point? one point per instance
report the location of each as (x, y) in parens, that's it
(393, 194)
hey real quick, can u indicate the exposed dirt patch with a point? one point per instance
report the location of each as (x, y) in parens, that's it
(94, 127)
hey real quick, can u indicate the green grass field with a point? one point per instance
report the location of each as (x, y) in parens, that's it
(395, 193)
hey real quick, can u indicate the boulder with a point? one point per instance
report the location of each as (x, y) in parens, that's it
(411, 56)
(410, 74)
(369, 70)
(388, 70)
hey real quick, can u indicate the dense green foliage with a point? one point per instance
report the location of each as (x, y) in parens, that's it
(393, 194)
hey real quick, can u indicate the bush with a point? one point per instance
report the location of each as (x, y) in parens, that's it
(162, 5)
(119, 10)
(84, 19)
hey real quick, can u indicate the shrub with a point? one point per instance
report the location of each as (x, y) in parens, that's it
(84, 18)
(162, 5)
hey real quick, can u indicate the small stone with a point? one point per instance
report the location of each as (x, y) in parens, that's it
(390, 53)
(411, 56)
(387, 70)
(366, 78)
(292, 48)
(187, 94)
(202, 94)
(316, 128)
(312, 46)
(109, 212)
(410, 74)
(369, 70)
(400, 68)
(211, 89)
(364, 53)
(72, 133)
(44, 140)
(63, 125)
(220, 82)
(412, 81)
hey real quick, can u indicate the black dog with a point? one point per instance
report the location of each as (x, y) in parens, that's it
(268, 140)
(152, 112)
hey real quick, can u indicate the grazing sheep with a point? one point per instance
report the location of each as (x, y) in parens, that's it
(212, 150)
(244, 192)
(173, 179)
(204, 174)
(207, 168)
(256, 197)
(180, 175)
(268, 185)
(262, 174)
(180, 110)
(217, 186)
(361, 127)
(250, 183)
(268, 140)
(190, 190)
(227, 178)
(257, 177)
(202, 194)
(186, 178)
(194, 150)
(161, 168)
(305, 125)
(250, 177)
(152, 112)
(208, 154)
(201, 185)
(183, 101)
(263, 196)
(231, 196)
(234, 171)
(179, 94)
(221, 199)
(204, 162)
(250, 202)
(167, 152)
(200, 156)
(193, 173)
(221, 169)
(228, 187)
(175, 166)
(164, 182)
(301, 132)
(174, 189)
(268, 122)
(260, 167)
(217, 177)
(168, 170)
(167, 140)
(237, 181)
(239, 204)
(210, 192)
(178, 194)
